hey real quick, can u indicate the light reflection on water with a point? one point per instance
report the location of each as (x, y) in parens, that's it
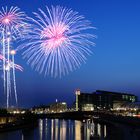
(55, 129)
(77, 130)
(69, 130)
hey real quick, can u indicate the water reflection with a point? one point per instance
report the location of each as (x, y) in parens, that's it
(54, 129)
(63, 126)
(70, 130)
(97, 130)
(77, 130)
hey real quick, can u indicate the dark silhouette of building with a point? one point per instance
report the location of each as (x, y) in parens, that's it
(102, 100)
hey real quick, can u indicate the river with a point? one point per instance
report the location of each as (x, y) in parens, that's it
(55, 129)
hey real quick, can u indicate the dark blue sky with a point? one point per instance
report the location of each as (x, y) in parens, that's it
(114, 66)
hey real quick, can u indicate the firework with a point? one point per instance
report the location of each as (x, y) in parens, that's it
(13, 26)
(13, 21)
(11, 63)
(59, 42)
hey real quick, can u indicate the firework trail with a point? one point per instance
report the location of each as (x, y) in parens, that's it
(59, 42)
(8, 66)
(13, 66)
(16, 66)
(14, 77)
(13, 26)
(3, 48)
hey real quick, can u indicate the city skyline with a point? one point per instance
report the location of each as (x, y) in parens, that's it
(114, 65)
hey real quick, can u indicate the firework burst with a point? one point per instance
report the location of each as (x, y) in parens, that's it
(13, 21)
(59, 42)
(13, 26)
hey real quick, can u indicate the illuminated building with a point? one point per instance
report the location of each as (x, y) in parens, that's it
(102, 100)
(84, 101)
(52, 108)
(129, 109)
(108, 100)
(77, 93)
(58, 107)
(40, 109)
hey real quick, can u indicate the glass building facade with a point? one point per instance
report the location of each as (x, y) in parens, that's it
(102, 100)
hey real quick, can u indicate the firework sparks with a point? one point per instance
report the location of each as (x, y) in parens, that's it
(13, 26)
(10, 65)
(59, 42)
(12, 21)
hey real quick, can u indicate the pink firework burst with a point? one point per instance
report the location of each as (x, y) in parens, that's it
(59, 42)
(8, 19)
(13, 21)
(55, 35)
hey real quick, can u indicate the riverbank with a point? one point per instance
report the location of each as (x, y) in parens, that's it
(19, 123)
(30, 120)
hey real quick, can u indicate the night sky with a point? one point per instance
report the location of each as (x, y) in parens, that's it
(114, 65)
